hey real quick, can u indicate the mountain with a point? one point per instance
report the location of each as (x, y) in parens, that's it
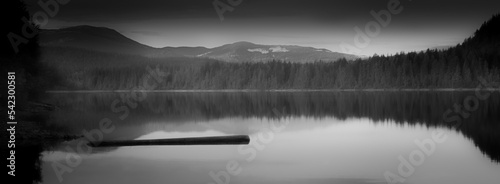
(246, 51)
(92, 38)
(110, 41)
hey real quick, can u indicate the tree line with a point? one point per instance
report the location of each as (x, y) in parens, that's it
(462, 66)
(454, 68)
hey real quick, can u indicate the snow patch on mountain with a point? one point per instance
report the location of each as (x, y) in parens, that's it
(263, 51)
(200, 55)
(271, 49)
(278, 49)
(323, 50)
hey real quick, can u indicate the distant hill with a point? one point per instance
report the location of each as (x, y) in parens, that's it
(110, 41)
(246, 51)
(92, 38)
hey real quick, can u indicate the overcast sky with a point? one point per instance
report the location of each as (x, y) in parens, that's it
(318, 23)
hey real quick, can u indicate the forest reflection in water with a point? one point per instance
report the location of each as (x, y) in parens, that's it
(80, 111)
(181, 114)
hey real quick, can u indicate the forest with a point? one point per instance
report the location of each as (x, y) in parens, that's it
(462, 66)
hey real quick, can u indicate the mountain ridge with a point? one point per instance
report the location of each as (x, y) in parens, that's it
(109, 40)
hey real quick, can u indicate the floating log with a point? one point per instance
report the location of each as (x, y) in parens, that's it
(218, 140)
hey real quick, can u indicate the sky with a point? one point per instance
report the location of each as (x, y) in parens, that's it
(330, 24)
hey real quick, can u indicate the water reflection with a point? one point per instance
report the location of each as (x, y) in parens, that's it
(345, 151)
(183, 111)
(332, 137)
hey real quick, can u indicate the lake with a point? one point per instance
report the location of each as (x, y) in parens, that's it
(423, 137)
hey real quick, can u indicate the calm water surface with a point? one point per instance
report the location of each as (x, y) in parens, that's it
(327, 137)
